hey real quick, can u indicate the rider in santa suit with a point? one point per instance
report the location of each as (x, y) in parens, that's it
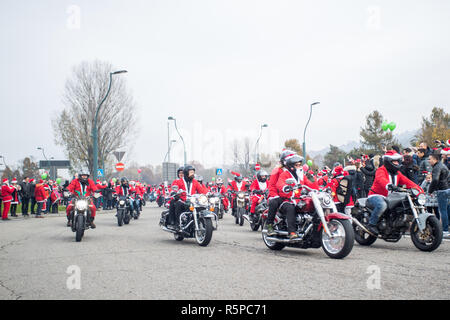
(82, 186)
(220, 188)
(294, 171)
(258, 187)
(274, 198)
(386, 176)
(236, 186)
(191, 186)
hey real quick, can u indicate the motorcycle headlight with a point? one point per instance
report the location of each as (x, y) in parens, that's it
(326, 199)
(421, 199)
(122, 202)
(241, 195)
(82, 205)
(415, 192)
(213, 200)
(203, 201)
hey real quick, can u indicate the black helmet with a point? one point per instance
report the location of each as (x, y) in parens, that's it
(262, 176)
(186, 170)
(292, 160)
(180, 169)
(238, 178)
(336, 164)
(387, 161)
(123, 180)
(284, 154)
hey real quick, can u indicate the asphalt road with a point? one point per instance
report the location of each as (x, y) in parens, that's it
(39, 259)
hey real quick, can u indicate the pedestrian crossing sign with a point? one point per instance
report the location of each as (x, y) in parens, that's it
(100, 172)
(219, 172)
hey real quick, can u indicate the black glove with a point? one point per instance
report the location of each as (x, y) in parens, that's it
(287, 189)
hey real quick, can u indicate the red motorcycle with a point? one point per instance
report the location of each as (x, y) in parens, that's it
(318, 224)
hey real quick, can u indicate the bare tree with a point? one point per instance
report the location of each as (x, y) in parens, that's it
(240, 152)
(116, 118)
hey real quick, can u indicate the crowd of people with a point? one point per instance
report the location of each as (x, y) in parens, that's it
(424, 168)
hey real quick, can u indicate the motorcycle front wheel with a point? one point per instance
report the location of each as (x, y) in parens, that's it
(341, 242)
(430, 239)
(127, 217)
(241, 216)
(80, 228)
(120, 217)
(204, 235)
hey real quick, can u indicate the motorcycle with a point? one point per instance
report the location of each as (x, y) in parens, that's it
(195, 223)
(242, 205)
(124, 210)
(137, 206)
(81, 217)
(256, 220)
(160, 200)
(405, 211)
(318, 224)
(152, 197)
(215, 200)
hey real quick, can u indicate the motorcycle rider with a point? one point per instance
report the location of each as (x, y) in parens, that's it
(83, 186)
(223, 191)
(294, 170)
(191, 186)
(274, 198)
(258, 187)
(386, 176)
(236, 186)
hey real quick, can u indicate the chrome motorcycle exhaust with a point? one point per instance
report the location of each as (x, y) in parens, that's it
(168, 230)
(361, 226)
(274, 239)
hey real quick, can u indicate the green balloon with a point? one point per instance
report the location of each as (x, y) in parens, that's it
(213, 179)
(385, 126)
(58, 180)
(114, 179)
(309, 162)
(44, 176)
(392, 126)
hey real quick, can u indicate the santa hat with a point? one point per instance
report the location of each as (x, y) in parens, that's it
(31, 180)
(311, 172)
(41, 181)
(445, 151)
(324, 172)
(393, 155)
(98, 180)
(235, 173)
(5, 181)
(348, 168)
(14, 180)
(320, 174)
(448, 142)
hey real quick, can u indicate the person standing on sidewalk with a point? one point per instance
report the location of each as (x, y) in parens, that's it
(439, 183)
(32, 197)
(39, 194)
(25, 195)
(7, 191)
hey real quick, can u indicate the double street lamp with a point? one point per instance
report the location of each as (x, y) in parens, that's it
(168, 151)
(95, 129)
(304, 132)
(184, 145)
(257, 141)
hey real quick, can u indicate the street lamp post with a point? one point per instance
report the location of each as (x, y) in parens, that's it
(168, 151)
(184, 145)
(94, 128)
(257, 141)
(304, 132)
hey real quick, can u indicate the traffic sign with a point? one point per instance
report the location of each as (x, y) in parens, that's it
(99, 172)
(219, 172)
(120, 166)
(257, 167)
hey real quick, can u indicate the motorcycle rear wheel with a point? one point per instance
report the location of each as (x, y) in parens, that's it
(277, 246)
(434, 231)
(362, 237)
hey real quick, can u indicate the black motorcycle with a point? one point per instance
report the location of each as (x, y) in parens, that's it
(405, 211)
(80, 217)
(196, 222)
(124, 211)
(255, 220)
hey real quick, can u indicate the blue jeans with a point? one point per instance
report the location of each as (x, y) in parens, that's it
(444, 207)
(379, 206)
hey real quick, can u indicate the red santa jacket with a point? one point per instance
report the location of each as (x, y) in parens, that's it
(195, 188)
(274, 176)
(288, 175)
(256, 185)
(235, 187)
(39, 193)
(7, 193)
(383, 179)
(87, 190)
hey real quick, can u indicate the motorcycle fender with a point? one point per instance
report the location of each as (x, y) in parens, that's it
(336, 215)
(209, 215)
(422, 220)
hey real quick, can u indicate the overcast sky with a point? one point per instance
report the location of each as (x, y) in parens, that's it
(223, 68)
